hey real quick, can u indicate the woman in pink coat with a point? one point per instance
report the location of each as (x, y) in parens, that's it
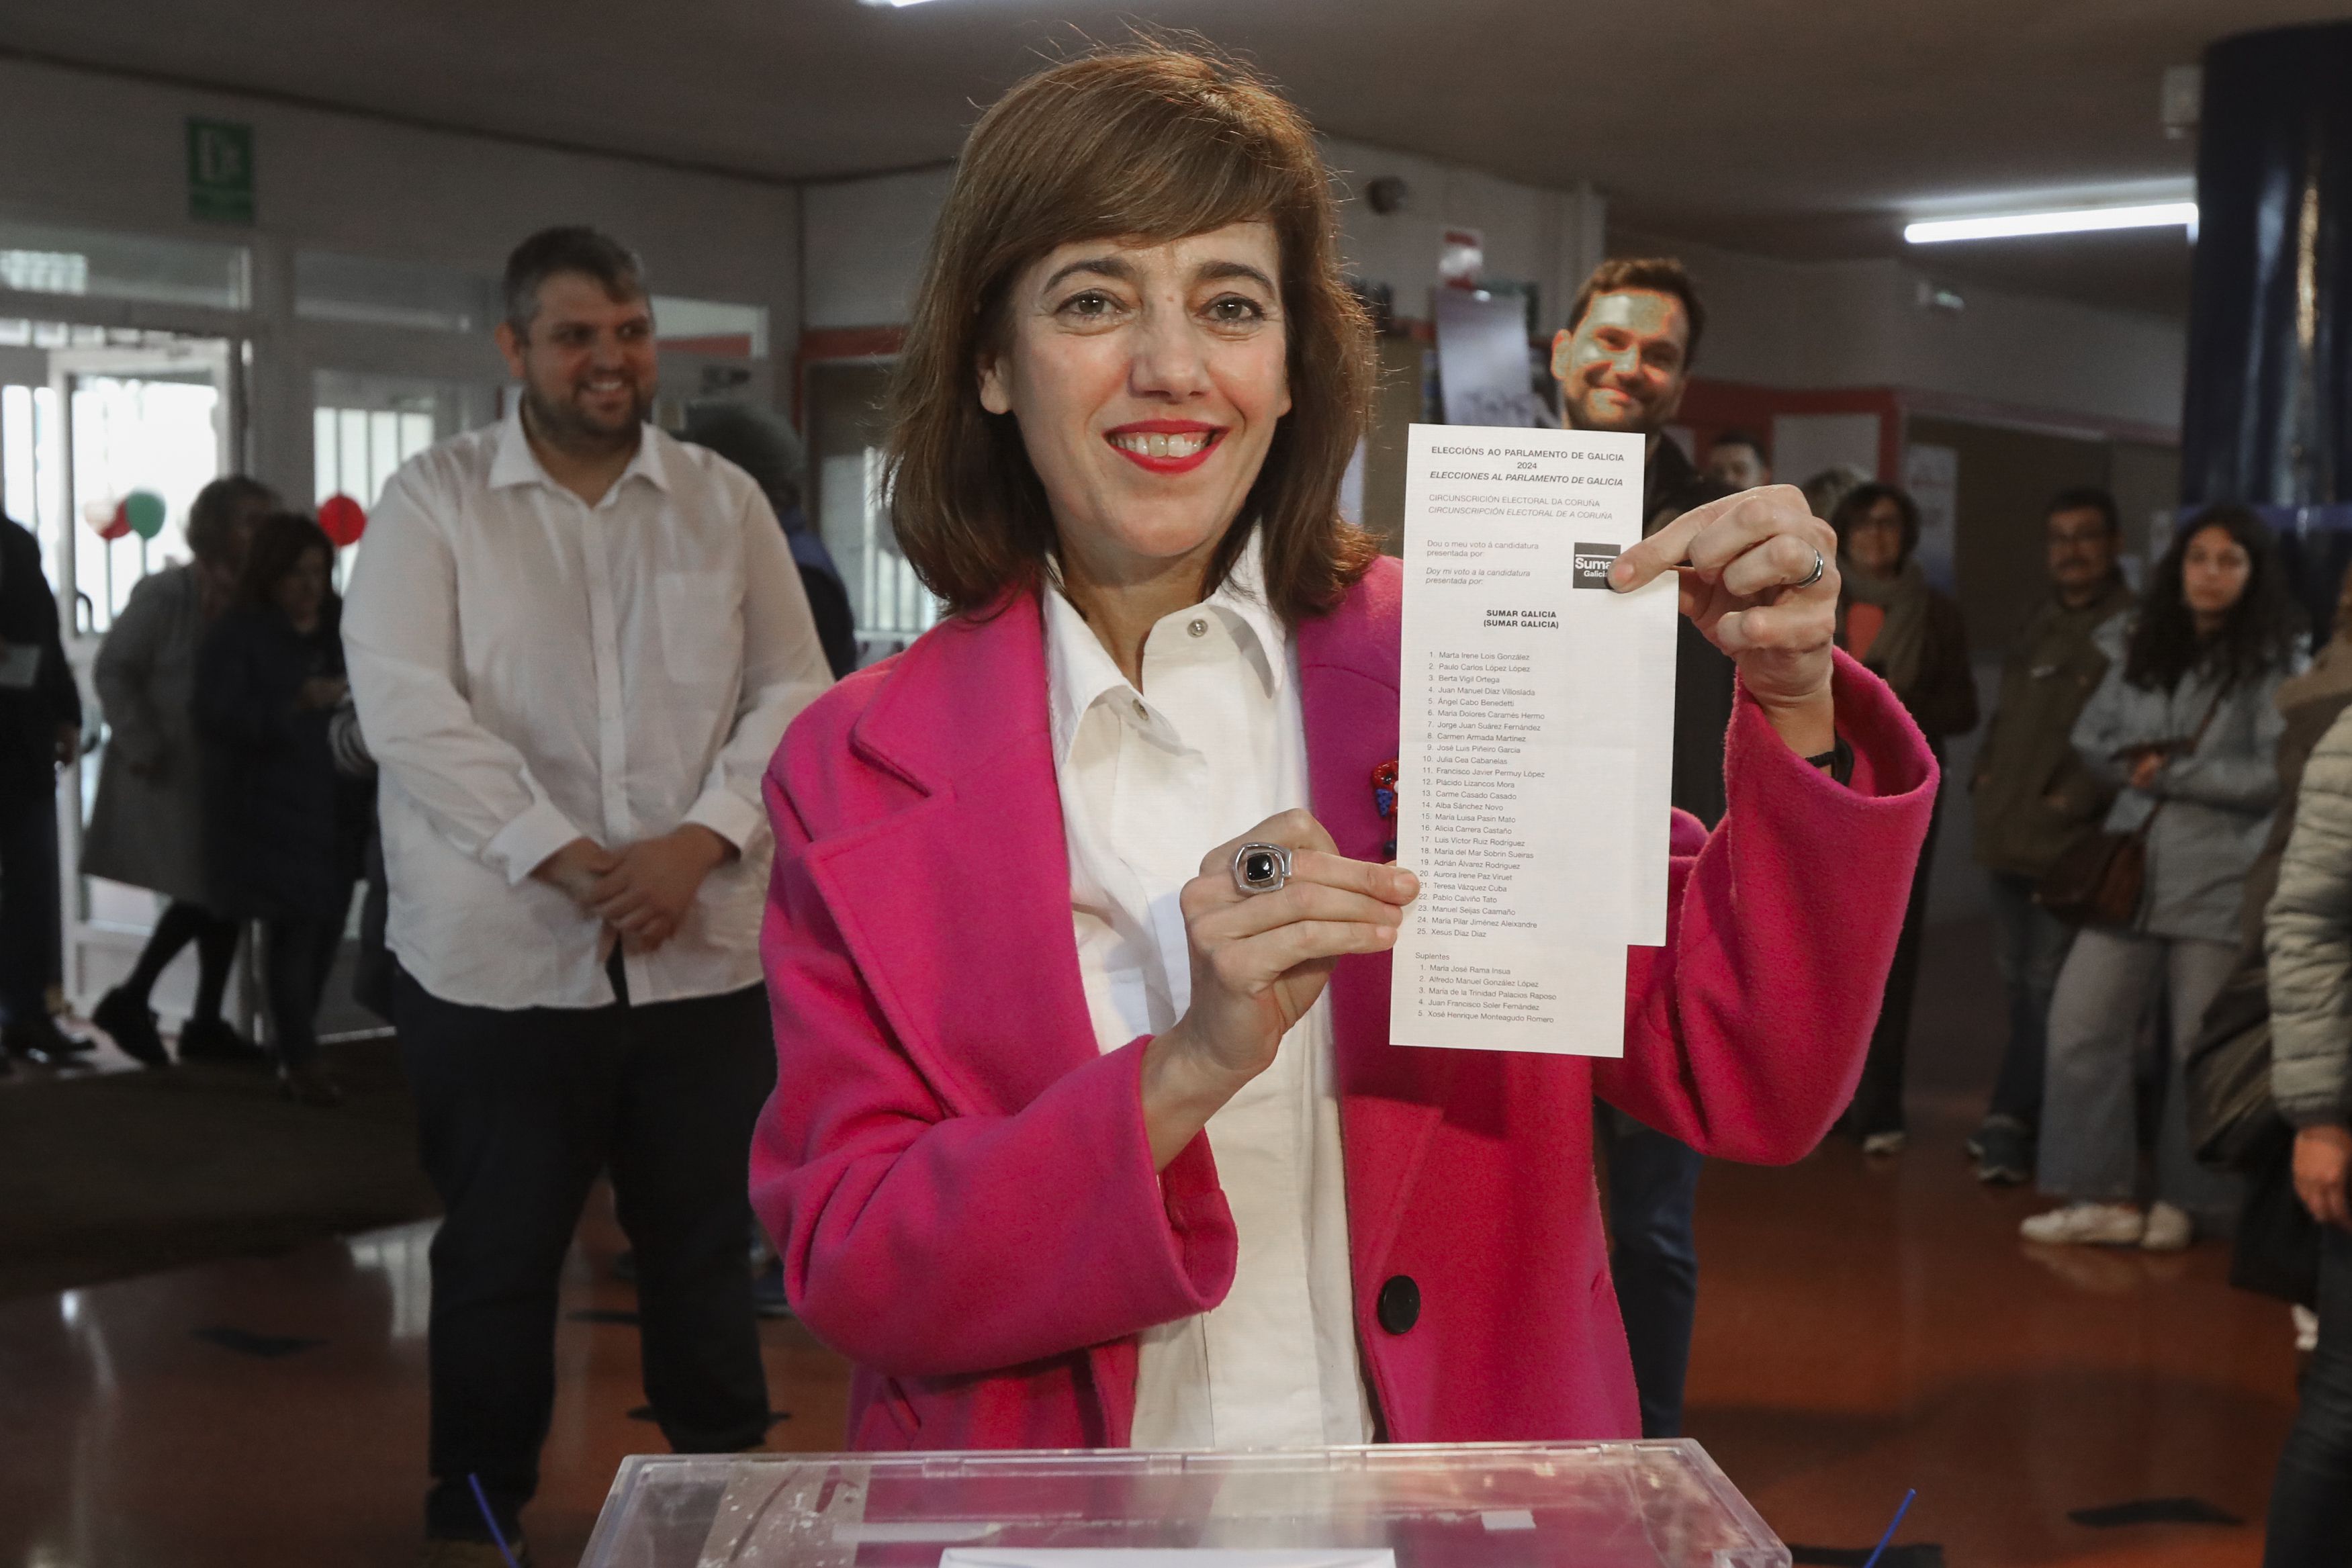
(1074, 1142)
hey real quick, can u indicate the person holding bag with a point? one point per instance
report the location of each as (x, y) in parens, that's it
(2184, 727)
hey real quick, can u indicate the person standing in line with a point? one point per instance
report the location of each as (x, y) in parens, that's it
(760, 443)
(2309, 938)
(2032, 797)
(1903, 630)
(1624, 362)
(283, 828)
(1736, 462)
(146, 827)
(40, 730)
(575, 643)
(2186, 729)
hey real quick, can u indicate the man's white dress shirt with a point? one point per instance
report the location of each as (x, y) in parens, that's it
(1151, 781)
(532, 669)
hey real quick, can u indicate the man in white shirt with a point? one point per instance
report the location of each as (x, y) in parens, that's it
(574, 643)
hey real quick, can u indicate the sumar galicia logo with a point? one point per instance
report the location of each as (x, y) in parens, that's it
(1592, 564)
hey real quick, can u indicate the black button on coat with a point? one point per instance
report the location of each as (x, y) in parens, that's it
(1399, 1307)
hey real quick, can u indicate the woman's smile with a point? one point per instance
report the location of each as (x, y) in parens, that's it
(1165, 445)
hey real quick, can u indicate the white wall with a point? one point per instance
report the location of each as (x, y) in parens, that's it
(1550, 237)
(865, 239)
(112, 151)
(864, 244)
(1861, 323)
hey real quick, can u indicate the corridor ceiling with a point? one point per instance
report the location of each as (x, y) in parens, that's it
(1799, 127)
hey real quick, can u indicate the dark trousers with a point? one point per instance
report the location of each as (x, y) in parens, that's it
(1654, 1258)
(1878, 1099)
(215, 939)
(29, 936)
(2311, 1500)
(517, 1112)
(2030, 947)
(297, 955)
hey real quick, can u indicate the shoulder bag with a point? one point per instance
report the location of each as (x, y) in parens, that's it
(2098, 879)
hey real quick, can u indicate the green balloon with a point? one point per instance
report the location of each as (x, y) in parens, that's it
(144, 509)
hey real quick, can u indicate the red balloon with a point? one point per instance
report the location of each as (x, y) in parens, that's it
(117, 526)
(343, 519)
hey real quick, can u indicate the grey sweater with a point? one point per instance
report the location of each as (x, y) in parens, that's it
(2309, 937)
(2217, 800)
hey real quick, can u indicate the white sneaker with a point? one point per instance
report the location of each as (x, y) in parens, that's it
(2087, 1224)
(1882, 1144)
(2306, 1327)
(2168, 1230)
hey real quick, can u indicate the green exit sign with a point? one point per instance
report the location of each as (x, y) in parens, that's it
(220, 172)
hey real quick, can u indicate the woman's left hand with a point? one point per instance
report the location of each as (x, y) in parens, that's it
(1741, 560)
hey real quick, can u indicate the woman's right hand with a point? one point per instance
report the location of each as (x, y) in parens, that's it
(1259, 961)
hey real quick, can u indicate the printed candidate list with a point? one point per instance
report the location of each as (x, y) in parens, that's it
(1536, 741)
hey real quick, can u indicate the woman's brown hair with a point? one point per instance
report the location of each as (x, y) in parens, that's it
(1143, 143)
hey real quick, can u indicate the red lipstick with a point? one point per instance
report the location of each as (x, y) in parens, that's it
(1208, 435)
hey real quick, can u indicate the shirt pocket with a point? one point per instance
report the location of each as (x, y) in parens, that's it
(698, 617)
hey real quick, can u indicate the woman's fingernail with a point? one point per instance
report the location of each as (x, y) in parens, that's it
(1622, 574)
(1408, 886)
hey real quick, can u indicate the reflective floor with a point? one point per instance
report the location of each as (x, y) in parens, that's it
(1864, 1327)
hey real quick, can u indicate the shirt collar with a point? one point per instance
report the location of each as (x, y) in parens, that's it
(516, 464)
(1079, 670)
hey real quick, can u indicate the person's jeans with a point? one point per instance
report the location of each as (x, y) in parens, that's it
(2088, 1148)
(29, 903)
(2311, 1499)
(297, 957)
(1654, 1258)
(1878, 1098)
(2029, 947)
(517, 1113)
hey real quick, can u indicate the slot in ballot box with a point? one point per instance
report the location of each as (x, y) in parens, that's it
(1499, 1505)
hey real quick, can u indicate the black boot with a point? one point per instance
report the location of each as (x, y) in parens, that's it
(130, 1024)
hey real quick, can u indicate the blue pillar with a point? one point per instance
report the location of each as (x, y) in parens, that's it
(2268, 415)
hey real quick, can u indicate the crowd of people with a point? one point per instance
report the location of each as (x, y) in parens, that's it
(1011, 1001)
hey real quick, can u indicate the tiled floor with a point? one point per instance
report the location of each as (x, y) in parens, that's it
(1864, 1327)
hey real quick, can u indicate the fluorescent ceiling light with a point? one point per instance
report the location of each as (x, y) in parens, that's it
(2071, 220)
(891, 4)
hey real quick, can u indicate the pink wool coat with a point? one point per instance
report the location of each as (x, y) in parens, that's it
(958, 1178)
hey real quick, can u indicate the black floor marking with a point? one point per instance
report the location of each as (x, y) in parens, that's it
(1917, 1554)
(245, 1342)
(601, 1315)
(2154, 1510)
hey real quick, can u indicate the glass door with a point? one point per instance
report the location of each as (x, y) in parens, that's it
(158, 423)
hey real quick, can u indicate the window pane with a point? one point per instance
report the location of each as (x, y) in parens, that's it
(710, 327)
(354, 439)
(44, 259)
(323, 455)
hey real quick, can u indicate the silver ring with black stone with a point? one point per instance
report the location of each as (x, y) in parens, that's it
(1260, 868)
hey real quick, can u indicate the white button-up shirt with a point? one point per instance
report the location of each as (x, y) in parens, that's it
(1151, 781)
(531, 669)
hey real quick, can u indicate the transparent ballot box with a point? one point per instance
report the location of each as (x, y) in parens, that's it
(1499, 1505)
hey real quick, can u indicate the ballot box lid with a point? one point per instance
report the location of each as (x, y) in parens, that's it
(1479, 1505)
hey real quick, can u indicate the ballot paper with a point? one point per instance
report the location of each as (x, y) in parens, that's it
(1164, 1557)
(1536, 746)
